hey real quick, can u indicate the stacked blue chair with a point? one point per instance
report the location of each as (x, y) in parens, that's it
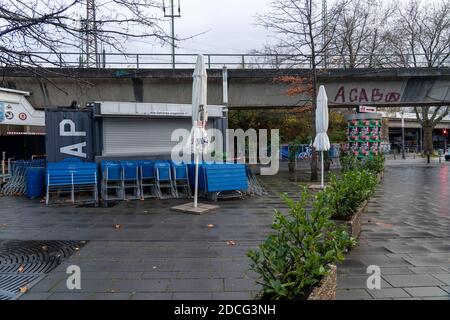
(147, 178)
(220, 180)
(72, 177)
(164, 182)
(180, 178)
(111, 186)
(35, 181)
(130, 179)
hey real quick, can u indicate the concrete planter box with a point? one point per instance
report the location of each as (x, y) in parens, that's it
(354, 224)
(327, 287)
(326, 290)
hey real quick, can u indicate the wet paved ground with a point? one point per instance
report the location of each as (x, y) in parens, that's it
(157, 253)
(161, 254)
(406, 233)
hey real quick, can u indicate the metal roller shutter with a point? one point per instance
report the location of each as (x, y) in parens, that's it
(134, 136)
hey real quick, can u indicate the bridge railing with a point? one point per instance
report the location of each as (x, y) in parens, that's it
(232, 61)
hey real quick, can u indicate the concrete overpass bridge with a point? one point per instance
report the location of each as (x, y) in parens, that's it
(248, 88)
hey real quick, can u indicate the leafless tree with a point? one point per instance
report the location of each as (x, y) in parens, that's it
(420, 36)
(55, 26)
(359, 40)
(302, 29)
(422, 39)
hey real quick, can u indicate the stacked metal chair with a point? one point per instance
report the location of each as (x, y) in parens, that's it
(16, 184)
(164, 182)
(74, 178)
(111, 185)
(180, 179)
(147, 179)
(130, 180)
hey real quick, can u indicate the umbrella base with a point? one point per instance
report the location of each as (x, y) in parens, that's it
(202, 208)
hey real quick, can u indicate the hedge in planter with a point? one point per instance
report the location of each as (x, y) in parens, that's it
(291, 262)
(350, 162)
(346, 194)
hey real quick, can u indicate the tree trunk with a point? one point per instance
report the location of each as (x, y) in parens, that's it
(314, 158)
(428, 141)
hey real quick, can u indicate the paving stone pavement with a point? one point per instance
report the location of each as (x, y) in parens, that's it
(406, 232)
(161, 254)
(157, 253)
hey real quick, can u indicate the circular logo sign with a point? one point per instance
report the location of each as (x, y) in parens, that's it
(22, 116)
(9, 115)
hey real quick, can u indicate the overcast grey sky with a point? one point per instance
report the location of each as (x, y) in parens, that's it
(229, 25)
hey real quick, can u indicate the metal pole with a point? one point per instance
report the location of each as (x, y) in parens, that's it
(172, 16)
(403, 136)
(321, 165)
(3, 165)
(196, 178)
(173, 36)
(225, 110)
(445, 144)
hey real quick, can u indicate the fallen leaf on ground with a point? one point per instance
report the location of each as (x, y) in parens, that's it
(117, 226)
(142, 199)
(210, 225)
(23, 289)
(44, 248)
(382, 224)
(21, 269)
(77, 248)
(231, 242)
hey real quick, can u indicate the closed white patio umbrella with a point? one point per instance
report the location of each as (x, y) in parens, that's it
(321, 141)
(199, 138)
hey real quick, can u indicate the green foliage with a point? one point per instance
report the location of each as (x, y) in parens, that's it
(293, 260)
(291, 123)
(351, 162)
(375, 163)
(346, 194)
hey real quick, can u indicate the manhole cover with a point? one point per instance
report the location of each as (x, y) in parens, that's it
(24, 263)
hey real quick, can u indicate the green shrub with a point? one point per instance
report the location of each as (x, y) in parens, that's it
(351, 162)
(374, 163)
(346, 193)
(291, 262)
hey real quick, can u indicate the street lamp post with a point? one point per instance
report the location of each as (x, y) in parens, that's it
(403, 135)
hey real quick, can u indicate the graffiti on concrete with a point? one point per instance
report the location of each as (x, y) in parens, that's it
(364, 95)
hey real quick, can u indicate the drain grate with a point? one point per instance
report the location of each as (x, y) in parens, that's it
(24, 263)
